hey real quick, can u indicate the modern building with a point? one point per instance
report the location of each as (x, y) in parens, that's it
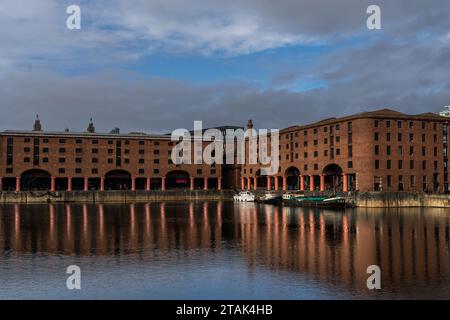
(39, 160)
(383, 150)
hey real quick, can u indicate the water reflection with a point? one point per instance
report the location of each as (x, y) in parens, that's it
(334, 248)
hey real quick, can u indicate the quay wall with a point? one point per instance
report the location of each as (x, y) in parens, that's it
(114, 196)
(364, 199)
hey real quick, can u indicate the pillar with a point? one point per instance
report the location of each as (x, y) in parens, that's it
(52, 184)
(86, 183)
(17, 184)
(148, 184)
(1, 184)
(219, 183)
(269, 183)
(322, 182)
(205, 183)
(69, 184)
(284, 183)
(102, 183)
(192, 183)
(249, 183)
(163, 183)
(345, 182)
(255, 183)
(242, 183)
(133, 183)
(311, 183)
(276, 183)
(302, 183)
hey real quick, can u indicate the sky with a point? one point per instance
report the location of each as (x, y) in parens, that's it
(157, 65)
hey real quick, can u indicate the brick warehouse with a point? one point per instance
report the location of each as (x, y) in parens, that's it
(382, 150)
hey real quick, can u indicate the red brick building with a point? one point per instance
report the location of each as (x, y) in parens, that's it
(31, 160)
(382, 150)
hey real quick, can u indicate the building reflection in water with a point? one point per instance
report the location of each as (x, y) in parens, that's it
(410, 245)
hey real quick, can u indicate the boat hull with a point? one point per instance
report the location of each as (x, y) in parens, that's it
(336, 204)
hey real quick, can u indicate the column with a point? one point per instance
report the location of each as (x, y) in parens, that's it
(17, 184)
(102, 183)
(205, 183)
(163, 183)
(249, 183)
(148, 184)
(52, 184)
(311, 183)
(1, 184)
(322, 182)
(133, 183)
(268, 183)
(219, 183)
(86, 183)
(255, 183)
(69, 184)
(284, 183)
(192, 183)
(276, 183)
(242, 183)
(345, 182)
(302, 183)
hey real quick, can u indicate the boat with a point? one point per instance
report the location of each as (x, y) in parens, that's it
(316, 201)
(244, 196)
(270, 198)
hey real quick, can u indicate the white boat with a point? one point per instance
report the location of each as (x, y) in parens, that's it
(244, 196)
(270, 198)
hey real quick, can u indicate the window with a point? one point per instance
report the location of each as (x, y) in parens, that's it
(315, 142)
(388, 136)
(78, 160)
(424, 164)
(156, 152)
(411, 164)
(400, 164)
(155, 171)
(350, 164)
(315, 154)
(26, 149)
(9, 170)
(110, 160)
(94, 160)
(411, 137)
(62, 150)
(141, 161)
(141, 171)
(424, 151)
(45, 159)
(26, 159)
(411, 150)
(388, 123)
(94, 150)
(199, 171)
(376, 123)
(411, 124)
(350, 151)
(61, 170)
(399, 124)
(305, 167)
(62, 140)
(377, 150)
(110, 151)
(62, 160)
(423, 138)
(141, 152)
(94, 171)
(305, 155)
(377, 164)
(376, 136)
(156, 161)
(325, 141)
(156, 143)
(338, 127)
(127, 151)
(423, 125)
(78, 141)
(78, 150)
(126, 160)
(315, 131)
(78, 170)
(388, 150)
(45, 140)
(110, 142)
(94, 141)
(127, 142)
(338, 151)
(141, 142)
(399, 137)
(338, 139)
(400, 150)
(389, 181)
(388, 164)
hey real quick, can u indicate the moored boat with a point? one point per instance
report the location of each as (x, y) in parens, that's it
(270, 198)
(316, 201)
(244, 196)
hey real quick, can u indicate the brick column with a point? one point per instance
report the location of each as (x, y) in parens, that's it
(163, 183)
(52, 184)
(133, 183)
(255, 183)
(302, 183)
(86, 183)
(1, 184)
(276, 183)
(69, 184)
(249, 183)
(205, 183)
(102, 183)
(242, 183)
(148, 185)
(284, 183)
(268, 183)
(322, 182)
(192, 183)
(345, 182)
(219, 183)
(311, 183)
(17, 184)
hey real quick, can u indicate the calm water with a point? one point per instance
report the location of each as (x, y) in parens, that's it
(221, 251)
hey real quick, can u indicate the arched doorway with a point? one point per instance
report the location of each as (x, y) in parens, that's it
(292, 175)
(177, 179)
(261, 181)
(35, 179)
(333, 177)
(118, 180)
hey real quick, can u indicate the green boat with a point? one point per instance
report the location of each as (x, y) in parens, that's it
(314, 201)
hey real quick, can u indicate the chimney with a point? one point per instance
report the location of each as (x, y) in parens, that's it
(91, 128)
(37, 124)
